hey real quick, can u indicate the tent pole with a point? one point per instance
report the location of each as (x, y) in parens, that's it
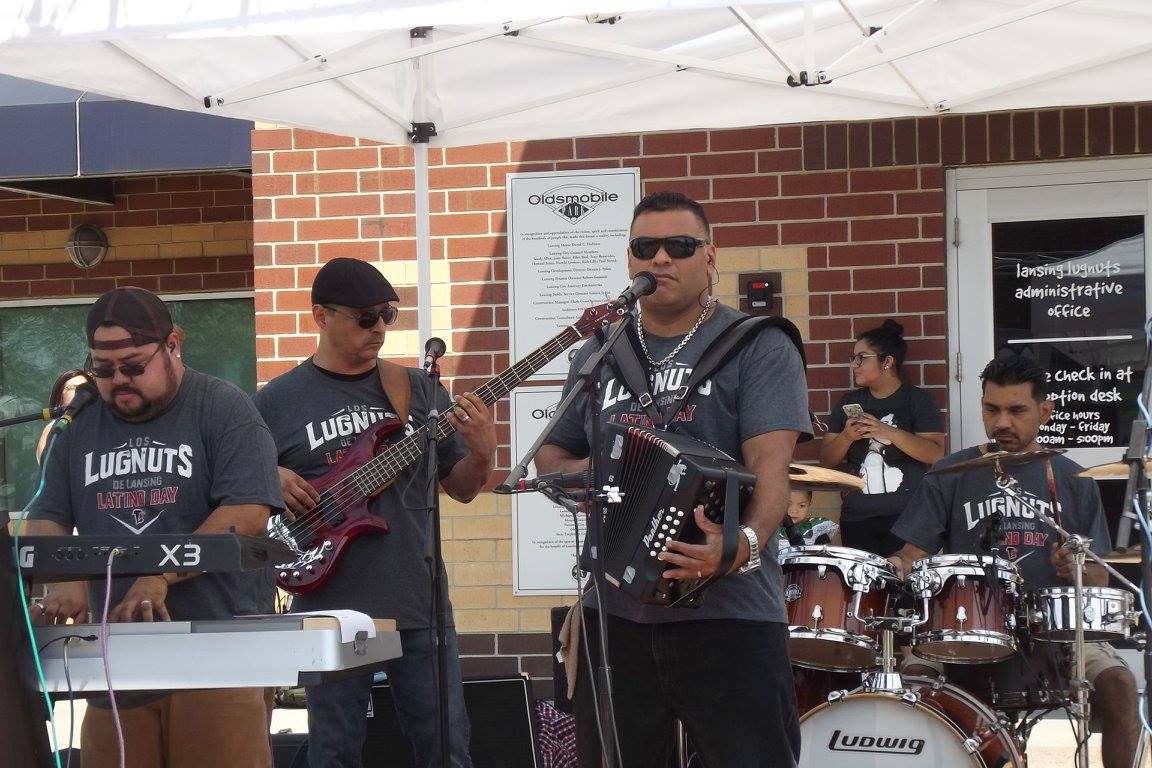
(423, 243)
(422, 133)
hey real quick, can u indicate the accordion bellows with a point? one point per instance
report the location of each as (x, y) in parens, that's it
(663, 476)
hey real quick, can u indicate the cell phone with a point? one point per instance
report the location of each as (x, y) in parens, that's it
(853, 410)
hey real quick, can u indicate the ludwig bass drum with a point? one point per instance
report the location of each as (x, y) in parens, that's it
(927, 724)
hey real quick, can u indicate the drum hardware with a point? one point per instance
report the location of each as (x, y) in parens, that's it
(815, 478)
(1115, 471)
(887, 678)
(968, 605)
(997, 460)
(832, 595)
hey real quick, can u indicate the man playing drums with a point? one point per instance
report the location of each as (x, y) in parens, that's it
(948, 514)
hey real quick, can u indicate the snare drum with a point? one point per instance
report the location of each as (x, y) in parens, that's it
(1108, 614)
(969, 618)
(829, 591)
(927, 724)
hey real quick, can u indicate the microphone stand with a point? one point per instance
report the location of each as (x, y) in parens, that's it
(47, 414)
(436, 560)
(588, 381)
(1137, 490)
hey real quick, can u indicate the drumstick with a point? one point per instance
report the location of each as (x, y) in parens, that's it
(1052, 497)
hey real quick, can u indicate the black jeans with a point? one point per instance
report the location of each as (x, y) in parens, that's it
(728, 681)
(872, 534)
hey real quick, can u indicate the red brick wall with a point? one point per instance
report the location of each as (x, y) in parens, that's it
(865, 199)
(169, 234)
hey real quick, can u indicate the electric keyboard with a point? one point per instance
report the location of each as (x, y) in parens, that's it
(252, 651)
(63, 558)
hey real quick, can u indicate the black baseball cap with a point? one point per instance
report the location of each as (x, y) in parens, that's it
(351, 283)
(136, 310)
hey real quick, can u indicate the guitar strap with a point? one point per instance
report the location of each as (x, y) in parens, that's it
(396, 385)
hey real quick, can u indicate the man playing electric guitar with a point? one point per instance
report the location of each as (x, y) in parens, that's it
(316, 412)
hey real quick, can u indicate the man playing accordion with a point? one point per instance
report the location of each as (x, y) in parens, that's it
(722, 667)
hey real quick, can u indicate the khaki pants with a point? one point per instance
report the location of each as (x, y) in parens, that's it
(185, 729)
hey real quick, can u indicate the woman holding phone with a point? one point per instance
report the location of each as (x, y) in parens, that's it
(888, 432)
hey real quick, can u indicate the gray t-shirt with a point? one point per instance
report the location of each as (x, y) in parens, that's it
(949, 511)
(314, 416)
(760, 390)
(209, 448)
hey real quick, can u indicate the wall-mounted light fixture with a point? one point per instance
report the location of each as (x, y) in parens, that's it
(87, 246)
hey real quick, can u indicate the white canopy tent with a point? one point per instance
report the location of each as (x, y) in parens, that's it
(355, 67)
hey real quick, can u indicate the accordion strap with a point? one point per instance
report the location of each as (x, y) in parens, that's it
(730, 341)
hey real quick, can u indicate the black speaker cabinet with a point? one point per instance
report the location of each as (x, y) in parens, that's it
(503, 730)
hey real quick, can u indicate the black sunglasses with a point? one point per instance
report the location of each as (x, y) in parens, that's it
(677, 246)
(368, 318)
(128, 369)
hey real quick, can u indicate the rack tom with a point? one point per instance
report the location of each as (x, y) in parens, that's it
(830, 592)
(969, 608)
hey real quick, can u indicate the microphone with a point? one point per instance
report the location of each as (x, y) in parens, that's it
(643, 283)
(85, 394)
(795, 538)
(992, 537)
(434, 349)
(559, 479)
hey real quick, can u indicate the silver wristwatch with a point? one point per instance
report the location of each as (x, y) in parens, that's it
(753, 550)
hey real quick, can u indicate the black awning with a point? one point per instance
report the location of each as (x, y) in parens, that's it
(39, 125)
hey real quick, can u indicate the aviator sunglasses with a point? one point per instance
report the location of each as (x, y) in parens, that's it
(128, 369)
(677, 246)
(369, 317)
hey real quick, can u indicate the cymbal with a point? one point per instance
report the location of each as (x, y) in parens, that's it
(1003, 458)
(1115, 471)
(822, 479)
(1130, 555)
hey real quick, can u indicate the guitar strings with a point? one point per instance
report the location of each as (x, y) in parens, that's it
(382, 467)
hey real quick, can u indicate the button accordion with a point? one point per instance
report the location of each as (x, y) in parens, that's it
(663, 476)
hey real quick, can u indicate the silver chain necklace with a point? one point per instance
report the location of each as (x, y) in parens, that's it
(671, 355)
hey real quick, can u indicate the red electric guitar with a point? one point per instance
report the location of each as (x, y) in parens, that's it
(320, 536)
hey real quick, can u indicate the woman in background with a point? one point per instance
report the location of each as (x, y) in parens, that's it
(886, 431)
(62, 393)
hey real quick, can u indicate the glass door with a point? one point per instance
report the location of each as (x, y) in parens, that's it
(1052, 264)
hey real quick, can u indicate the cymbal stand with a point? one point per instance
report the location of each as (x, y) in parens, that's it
(1080, 548)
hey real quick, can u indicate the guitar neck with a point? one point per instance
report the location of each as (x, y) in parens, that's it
(378, 473)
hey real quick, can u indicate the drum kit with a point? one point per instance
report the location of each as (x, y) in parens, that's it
(847, 609)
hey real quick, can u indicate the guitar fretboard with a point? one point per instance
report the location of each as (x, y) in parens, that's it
(383, 469)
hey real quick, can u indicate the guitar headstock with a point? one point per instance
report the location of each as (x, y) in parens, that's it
(594, 317)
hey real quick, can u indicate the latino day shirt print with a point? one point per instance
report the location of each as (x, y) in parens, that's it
(137, 481)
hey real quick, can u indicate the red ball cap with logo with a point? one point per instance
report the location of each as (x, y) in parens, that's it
(136, 310)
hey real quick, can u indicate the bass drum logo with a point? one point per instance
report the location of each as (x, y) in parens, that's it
(793, 593)
(573, 202)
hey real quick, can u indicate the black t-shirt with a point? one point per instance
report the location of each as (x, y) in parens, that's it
(891, 474)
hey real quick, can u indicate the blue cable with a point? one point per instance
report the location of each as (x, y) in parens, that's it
(24, 603)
